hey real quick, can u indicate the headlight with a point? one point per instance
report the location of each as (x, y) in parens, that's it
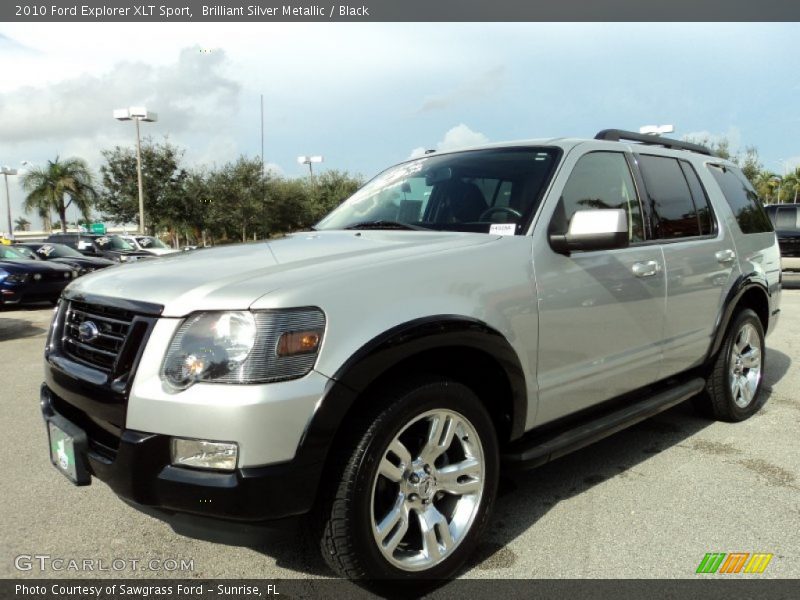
(17, 278)
(122, 258)
(244, 347)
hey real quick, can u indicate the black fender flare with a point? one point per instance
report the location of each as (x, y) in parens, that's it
(378, 355)
(743, 284)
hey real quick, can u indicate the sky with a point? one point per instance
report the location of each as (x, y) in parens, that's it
(367, 95)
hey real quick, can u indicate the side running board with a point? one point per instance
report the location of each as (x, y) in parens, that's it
(536, 450)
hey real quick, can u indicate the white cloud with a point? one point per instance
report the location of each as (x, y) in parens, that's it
(482, 86)
(456, 138)
(189, 94)
(733, 136)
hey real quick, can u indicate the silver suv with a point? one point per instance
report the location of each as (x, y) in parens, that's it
(501, 305)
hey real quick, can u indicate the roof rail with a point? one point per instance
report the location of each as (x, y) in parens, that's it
(615, 135)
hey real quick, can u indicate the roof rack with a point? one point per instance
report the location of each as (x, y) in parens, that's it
(615, 135)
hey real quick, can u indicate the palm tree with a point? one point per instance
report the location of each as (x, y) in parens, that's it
(767, 185)
(791, 184)
(22, 223)
(57, 186)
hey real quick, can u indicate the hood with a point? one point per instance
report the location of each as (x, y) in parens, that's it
(32, 266)
(233, 277)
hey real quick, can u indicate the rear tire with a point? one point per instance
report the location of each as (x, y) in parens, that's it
(413, 486)
(733, 387)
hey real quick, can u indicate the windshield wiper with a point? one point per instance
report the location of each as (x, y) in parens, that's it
(384, 225)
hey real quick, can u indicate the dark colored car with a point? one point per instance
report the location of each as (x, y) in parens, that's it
(25, 280)
(112, 247)
(59, 253)
(786, 220)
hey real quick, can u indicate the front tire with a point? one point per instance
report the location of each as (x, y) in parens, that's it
(734, 384)
(414, 486)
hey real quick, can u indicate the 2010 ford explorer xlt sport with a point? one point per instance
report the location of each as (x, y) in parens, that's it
(498, 305)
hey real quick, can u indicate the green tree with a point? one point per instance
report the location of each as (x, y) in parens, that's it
(22, 224)
(57, 186)
(791, 186)
(163, 179)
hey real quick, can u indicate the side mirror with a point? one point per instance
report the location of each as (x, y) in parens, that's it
(596, 229)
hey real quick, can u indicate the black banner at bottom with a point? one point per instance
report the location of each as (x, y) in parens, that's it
(462, 589)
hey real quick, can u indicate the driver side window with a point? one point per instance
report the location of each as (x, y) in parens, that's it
(600, 180)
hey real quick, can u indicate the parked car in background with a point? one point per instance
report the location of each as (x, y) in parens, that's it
(112, 247)
(23, 279)
(149, 243)
(62, 254)
(786, 220)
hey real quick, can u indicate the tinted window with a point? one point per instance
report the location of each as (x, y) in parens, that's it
(600, 180)
(705, 216)
(674, 213)
(742, 199)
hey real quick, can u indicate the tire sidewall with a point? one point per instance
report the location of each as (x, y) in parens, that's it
(418, 400)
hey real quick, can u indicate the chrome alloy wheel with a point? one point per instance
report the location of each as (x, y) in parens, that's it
(427, 491)
(745, 365)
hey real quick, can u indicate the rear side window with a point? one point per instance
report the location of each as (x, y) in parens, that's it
(674, 212)
(742, 199)
(705, 217)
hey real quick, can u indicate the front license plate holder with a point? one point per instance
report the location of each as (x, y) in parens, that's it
(69, 450)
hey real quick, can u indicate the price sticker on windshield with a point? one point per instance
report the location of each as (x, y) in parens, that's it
(503, 229)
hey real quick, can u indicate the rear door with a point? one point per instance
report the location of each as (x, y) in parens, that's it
(699, 254)
(601, 313)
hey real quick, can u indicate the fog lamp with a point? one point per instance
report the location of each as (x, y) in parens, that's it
(204, 454)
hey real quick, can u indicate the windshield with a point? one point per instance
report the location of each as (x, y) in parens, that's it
(151, 242)
(9, 253)
(112, 242)
(57, 251)
(26, 252)
(479, 191)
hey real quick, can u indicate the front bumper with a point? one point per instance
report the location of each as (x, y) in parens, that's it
(139, 471)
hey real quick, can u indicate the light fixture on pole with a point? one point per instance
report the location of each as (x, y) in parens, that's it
(137, 113)
(308, 160)
(6, 171)
(656, 129)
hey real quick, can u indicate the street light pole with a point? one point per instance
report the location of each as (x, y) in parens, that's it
(137, 113)
(309, 160)
(6, 171)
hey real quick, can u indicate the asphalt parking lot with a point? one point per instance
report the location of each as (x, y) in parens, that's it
(648, 502)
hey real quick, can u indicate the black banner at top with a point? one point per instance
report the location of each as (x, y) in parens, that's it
(398, 10)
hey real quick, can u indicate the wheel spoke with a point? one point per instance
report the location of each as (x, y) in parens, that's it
(391, 471)
(440, 436)
(400, 451)
(394, 526)
(748, 389)
(752, 358)
(436, 538)
(744, 338)
(460, 478)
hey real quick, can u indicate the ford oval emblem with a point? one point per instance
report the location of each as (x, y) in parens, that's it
(88, 331)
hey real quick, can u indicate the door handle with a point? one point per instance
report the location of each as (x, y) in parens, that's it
(646, 269)
(725, 256)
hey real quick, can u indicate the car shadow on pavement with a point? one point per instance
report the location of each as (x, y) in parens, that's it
(525, 498)
(11, 329)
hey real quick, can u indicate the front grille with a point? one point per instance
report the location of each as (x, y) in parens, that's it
(113, 326)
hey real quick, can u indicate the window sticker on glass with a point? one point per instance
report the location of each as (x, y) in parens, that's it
(45, 250)
(102, 241)
(502, 229)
